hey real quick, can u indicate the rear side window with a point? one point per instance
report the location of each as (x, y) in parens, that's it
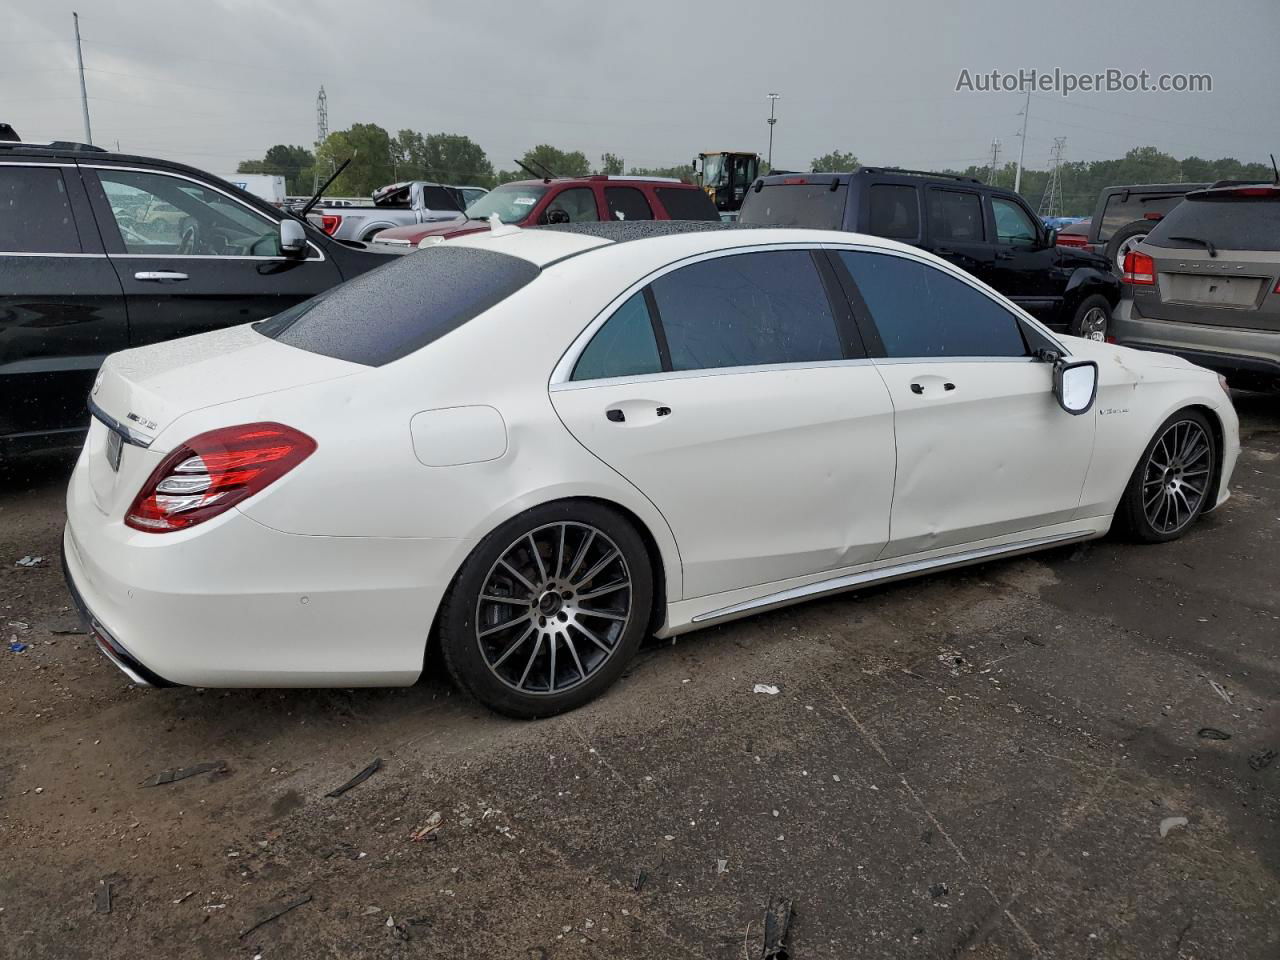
(955, 215)
(895, 211)
(795, 205)
(624, 347)
(1242, 224)
(392, 311)
(35, 212)
(686, 204)
(746, 309)
(919, 311)
(627, 203)
(1121, 210)
(438, 198)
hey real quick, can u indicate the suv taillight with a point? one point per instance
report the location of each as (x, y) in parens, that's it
(1072, 240)
(214, 471)
(330, 222)
(1138, 268)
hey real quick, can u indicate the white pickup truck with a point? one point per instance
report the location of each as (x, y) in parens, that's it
(397, 205)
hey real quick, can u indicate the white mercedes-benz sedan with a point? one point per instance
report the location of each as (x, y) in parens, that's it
(538, 447)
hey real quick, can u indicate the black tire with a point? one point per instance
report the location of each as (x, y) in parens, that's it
(1134, 513)
(1092, 318)
(577, 649)
(1123, 239)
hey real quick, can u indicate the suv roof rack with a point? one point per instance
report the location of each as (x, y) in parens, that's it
(69, 146)
(920, 173)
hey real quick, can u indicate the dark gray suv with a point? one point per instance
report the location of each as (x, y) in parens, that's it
(1206, 284)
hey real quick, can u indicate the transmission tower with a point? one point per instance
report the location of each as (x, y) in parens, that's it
(1051, 201)
(322, 129)
(995, 160)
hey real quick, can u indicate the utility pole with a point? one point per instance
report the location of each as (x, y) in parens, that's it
(1022, 147)
(773, 102)
(322, 133)
(84, 94)
(995, 160)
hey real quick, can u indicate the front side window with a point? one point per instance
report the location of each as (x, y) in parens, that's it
(747, 309)
(627, 203)
(577, 203)
(920, 311)
(35, 212)
(624, 347)
(955, 215)
(895, 211)
(1012, 223)
(159, 214)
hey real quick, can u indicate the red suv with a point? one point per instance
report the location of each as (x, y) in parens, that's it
(531, 203)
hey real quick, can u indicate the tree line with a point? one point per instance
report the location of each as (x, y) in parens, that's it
(378, 158)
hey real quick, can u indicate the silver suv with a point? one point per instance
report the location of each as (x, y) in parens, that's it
(1205, 284)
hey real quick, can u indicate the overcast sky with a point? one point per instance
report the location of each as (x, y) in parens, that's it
(218, 81)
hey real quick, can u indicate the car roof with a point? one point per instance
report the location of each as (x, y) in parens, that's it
(601, 178)
(1155, 188)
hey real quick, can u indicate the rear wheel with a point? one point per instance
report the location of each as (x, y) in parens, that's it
(1091, 318)
(1124, 240)
(1170, 486)
(548, 609)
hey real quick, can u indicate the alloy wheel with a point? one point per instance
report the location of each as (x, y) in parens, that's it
(1176, 476)
(553, 608)
(1127, 244)
(1093, 325)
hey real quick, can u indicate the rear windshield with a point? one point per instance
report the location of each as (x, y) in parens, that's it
(390, 312)
(795, 205)
(1245, 223)
(1120, 212)
(687, 204)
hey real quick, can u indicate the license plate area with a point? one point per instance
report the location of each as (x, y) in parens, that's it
(114, 450)
(1210, 290)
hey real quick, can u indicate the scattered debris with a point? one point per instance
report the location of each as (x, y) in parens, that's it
(64, 631)
(172, 776)
(370, 911)
(428, 828)
(29, 561)
(722, 866)
(184, 896)
(768, 688)
(17, 646)
(102, 898)
(641, 877)
(777, 921)
(1213, 733)
(1219, 689)
(358, 779)
(938, 890)
(274, 912)
(1032, 641)
(1168, 823)
(1261, 760)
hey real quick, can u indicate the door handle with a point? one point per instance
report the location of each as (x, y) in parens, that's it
(917, 388)
(1003, 255)
(948, 386)
(944, 251)
(664, 411)
(160, 276)
(615, 415)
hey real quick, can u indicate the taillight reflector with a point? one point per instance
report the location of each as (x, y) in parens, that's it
(329, 223)
(1072, 240)
(214, 471)
(794, 181)
(1138, 269)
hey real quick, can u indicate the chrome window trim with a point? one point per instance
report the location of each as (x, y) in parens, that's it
(32, 163)
(665, 375)
(25, 253)
(563, 370)
(320, 257)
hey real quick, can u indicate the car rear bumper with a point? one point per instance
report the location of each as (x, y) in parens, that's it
(1249, 355)
(233, 603)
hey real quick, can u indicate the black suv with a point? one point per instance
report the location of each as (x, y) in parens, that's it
(102, 251)
(985, 230)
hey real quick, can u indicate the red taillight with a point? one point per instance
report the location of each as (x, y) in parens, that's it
(329, 223)
(794, 181)
(1072, 240)
(213, 472)
(1138, 268)
(1153, 216)
(1277, 289)
(1254, 192)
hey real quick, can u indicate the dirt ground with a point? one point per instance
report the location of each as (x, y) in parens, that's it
(977, 764)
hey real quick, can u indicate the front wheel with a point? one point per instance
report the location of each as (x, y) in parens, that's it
(1091, 318)
(1170, 487)
(548, 609)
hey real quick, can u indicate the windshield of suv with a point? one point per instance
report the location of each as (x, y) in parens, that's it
(1228, 223)
(511, 202)
(813, 205)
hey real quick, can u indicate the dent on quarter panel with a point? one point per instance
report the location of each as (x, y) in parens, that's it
(453, 436)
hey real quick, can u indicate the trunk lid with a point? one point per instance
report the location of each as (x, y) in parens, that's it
(140, 392)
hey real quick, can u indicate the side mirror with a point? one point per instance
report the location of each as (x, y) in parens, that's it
(1051, 237)
(293, 238)
(556, 215)
(1075, 385)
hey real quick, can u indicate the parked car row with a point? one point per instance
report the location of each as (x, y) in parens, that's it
(398, 204)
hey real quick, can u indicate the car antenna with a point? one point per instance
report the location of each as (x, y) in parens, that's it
(1275, 169)
(533, 173)
(551, 174)
(315, 197)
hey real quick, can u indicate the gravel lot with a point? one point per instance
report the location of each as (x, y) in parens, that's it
(976, 764)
